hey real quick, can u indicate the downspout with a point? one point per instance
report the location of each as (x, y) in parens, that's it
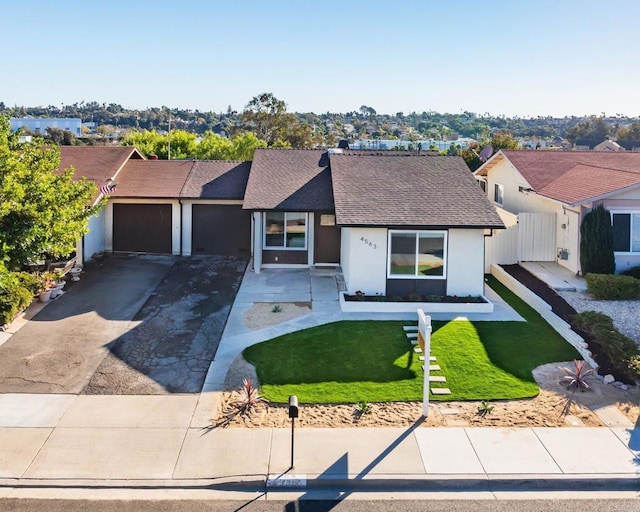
(181, 224)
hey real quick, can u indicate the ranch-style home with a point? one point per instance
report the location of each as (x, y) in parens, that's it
(397, 223)
(548, 194)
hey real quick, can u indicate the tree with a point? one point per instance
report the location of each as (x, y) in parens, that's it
(629, 134)
(267, 117)
(596, 242)
(499, 140)
(241, 147)
(60, 137)
(43, 212)
(147, 142)
(594, 130)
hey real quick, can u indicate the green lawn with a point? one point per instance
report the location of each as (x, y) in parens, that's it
(346, 362)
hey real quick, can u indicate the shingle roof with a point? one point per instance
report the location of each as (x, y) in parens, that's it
(418, 191)
(289, 179)
(153, 178)
(217, 179)
(574, 177)
(96, 163)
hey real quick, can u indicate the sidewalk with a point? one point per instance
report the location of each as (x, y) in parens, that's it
(164, 446)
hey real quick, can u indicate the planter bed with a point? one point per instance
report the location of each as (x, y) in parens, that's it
(382, 304)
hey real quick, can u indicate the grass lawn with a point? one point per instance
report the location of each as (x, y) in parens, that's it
(345, 362)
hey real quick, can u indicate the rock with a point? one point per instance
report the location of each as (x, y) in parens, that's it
(608, 379)
(620, 385)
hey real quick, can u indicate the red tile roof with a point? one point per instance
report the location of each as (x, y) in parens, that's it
(574, 177)
(411, 190)
(153, 179)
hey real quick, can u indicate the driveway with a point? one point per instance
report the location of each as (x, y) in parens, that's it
(132, 325)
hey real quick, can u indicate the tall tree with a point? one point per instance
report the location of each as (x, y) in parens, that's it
(596, 242)
(594, 129)
(630, 133)
(240, 147)
(43, 212)
(499, 140)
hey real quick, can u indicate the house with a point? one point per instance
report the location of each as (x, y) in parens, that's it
(552, 191)
(101, 165)
(397, 224)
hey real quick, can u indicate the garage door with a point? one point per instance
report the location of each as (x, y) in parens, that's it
(142, 228)
(220, 229)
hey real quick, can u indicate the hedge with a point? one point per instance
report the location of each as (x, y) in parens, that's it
(612, 287)
(16, 293)
(633, 272)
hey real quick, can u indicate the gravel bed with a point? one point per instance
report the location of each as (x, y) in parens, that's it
(624, 313)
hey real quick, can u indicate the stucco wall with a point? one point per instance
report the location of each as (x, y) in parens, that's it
(627, 201)
(364, 259)
(95, 238)
(465, 262)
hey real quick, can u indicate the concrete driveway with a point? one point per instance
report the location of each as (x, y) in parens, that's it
(132, 325)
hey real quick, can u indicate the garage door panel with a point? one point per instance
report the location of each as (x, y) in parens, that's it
(220, 229)
(142, 228)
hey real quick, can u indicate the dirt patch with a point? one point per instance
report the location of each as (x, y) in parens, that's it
(555, 406)
(266, 314)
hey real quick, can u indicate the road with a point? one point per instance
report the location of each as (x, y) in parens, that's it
(350, 505)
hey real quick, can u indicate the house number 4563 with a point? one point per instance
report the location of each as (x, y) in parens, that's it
(368, 242)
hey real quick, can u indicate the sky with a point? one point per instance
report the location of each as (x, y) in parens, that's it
(502, 57)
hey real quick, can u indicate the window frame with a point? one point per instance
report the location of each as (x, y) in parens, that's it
(498, 187)
(284, 247)
(417, 233)
(632, 214)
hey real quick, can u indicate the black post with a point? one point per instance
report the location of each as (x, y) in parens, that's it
(293, 414)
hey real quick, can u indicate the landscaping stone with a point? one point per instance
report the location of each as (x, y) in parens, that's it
(440, 391)
(437, 378)
(434, 367)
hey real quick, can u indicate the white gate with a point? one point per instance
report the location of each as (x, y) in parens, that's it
(528, 237)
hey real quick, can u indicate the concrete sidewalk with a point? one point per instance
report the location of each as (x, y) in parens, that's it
(134, 441)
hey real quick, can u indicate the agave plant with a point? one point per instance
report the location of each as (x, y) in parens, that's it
(576, 376)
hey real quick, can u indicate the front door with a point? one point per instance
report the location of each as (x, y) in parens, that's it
(326, 239)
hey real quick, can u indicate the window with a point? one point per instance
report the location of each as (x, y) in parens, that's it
(285, 230)
(626, 232)
(417, 254)
(498, 193)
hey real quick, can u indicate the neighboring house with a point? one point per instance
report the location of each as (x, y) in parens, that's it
(396, 224)
(100, 165)
(40, 124)
(608, 145)
(552, 191)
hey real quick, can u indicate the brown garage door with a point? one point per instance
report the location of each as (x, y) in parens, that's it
(220, 229)
(142, 228)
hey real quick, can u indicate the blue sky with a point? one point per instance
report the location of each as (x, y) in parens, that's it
(504, 57)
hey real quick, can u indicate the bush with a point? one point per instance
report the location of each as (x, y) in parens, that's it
(596, 242)
(14, 296)
(616, 347)
(633, 272)
(634, 365)
(610, 287)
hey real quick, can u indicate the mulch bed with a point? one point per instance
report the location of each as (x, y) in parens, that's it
(561, 308)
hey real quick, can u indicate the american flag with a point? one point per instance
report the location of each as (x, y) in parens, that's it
(108, 187)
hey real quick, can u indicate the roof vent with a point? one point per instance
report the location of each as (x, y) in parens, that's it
(335, 151)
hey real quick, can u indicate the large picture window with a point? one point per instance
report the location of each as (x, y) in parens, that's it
(285, 230)
(626, 232)
(417, 254)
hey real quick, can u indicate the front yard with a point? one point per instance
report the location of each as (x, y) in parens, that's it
(348, 362)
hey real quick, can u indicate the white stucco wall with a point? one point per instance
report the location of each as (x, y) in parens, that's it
(465, 262)
(94, 239)
(628, 201)
(364, 259)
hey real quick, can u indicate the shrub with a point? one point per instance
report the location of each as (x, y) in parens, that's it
(634, 365)
(616, 347)
(610, 287)
(596, 242)
(14, 296)
(633, 272)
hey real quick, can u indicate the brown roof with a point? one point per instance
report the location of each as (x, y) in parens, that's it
(412, 190)
(574, 177)
(289, 179)
(153, 178)
(96, 163)
(217, 179)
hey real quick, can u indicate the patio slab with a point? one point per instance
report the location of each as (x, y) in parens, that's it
(511, 451)
(447, 451)
(556, 276)
(29, 410)
(108, 453)
(18, 448)
(130, 411)
(588, 450)
(214, 453)
(355, 453)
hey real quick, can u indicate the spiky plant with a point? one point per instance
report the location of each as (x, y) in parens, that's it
(249, 397)
(576, 376)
